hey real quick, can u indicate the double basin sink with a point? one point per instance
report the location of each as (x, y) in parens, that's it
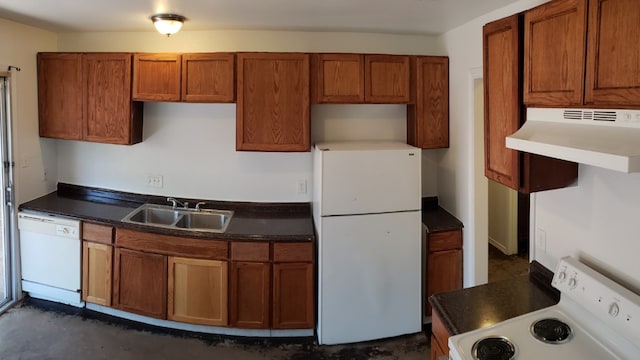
(180, 218)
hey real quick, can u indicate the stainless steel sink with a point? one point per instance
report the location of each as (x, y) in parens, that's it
(179, 218)
(204, 220)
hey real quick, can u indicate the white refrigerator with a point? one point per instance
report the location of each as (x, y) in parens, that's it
(367, 212)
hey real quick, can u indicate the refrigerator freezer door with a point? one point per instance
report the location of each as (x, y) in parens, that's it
(370, 181)
(369, 269)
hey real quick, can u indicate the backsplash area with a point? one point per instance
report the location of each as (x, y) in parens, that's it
(596, 221)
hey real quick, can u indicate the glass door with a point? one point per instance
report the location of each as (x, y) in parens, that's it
(7, 278)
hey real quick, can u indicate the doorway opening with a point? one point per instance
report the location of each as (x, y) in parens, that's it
(7, 280)
(503, 213)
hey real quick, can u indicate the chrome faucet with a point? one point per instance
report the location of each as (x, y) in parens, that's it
(175, 203)
(198, 205)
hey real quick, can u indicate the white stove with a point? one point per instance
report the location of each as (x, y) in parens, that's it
(596, 318)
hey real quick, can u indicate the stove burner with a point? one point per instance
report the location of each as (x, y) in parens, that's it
(551, 331)
(494, 348)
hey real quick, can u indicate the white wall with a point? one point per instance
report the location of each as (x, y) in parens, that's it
(597, 221)
(193, 145)
(456, 177)
(33, 157)
(503, 218)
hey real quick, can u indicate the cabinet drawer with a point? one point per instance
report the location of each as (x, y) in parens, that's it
(172, 245)
(250, 251)
(292, 252)
(445, 240)
(97, 233)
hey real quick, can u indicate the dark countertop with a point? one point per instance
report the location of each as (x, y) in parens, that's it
(251, 221)
(473, 308)
(437, 219)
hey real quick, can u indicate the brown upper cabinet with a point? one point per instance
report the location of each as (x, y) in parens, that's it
(87, 96)
(561, 70)
(613, 53)
(356, 78)
(428, 114)
(273, 102)
(504, 114)
(198, 77)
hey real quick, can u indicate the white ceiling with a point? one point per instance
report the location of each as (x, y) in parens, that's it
(388, 16)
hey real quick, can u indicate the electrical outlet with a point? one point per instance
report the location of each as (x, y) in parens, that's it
(154, 181)
(301, 186)
(541, 239)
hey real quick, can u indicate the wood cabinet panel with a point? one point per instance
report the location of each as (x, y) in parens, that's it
(197, 291)
(172, 245)
(444, 263)
(555, 40)
(157, 77)
(440, 335)
(140, 283)
(97, 233)
(445, 271)
(292, 252)
(60, 95)
(613, 53)
(249, 286)
(504, 114)
(208, 77)
(293, 296)
(428, 115)
(97, 265)
(273, 102)
(436, 351)
(502, 98)
(445, 240)
(386, 79)
(87, 96)
(109, 114)
(337, 78)
(250, 251)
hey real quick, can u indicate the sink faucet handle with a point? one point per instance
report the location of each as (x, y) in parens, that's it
(173, 202)
(199, 204)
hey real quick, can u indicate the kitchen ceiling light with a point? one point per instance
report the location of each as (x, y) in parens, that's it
(168, 24)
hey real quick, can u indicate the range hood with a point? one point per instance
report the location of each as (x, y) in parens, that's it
(605, 138)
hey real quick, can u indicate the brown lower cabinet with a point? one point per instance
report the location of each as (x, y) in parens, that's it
(444, 262)
(97, 262)
(250, 287)
(197, 292)
(293, 296)
(140, 283)
(439, 338)
(241, 284)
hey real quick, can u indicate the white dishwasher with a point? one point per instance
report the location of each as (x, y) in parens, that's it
(50, 257)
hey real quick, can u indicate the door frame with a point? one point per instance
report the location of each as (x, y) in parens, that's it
(7, 195)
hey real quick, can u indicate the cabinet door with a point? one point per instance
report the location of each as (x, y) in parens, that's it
(97, 260)
(249, 295)
(338, 78)
(555, 49)
(436, 351)
(197, 291)
(156, 77)
(293, 296)
(428, 116)
(140, 283)
(613, 59)
(273, 102)
(208, 77)
(109, 115)
(444, 269)
(60, 95)
(502, 98)
(386, 79)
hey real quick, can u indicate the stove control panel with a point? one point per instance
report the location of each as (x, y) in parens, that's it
(605, 299)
